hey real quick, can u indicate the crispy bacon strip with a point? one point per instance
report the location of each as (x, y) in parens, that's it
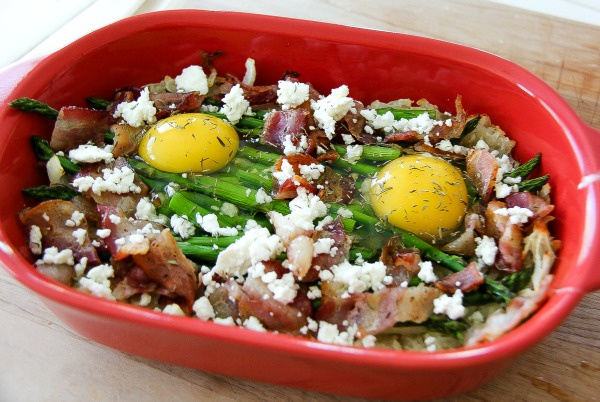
(56, 232)
(76, 126)
(481, 170)
(280, 123)
(509, 235)
(168, 104)
(373, 313)
(120, 230)
(166, 265)
(465, 280)
(336, 188)
(525, 199)
(402, 263)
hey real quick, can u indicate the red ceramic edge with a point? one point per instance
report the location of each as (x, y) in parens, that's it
(509, 345)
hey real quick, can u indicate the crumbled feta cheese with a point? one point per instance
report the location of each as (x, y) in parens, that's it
(324, 222)
(450, 305)
(116, 219)
(171, 189)
(235, 105)
(481, 144)
(430, 343)
(144, 300)
(89, 153)
(138, 112)
(291, 94)
(53, 256)
(348, 139)
(305, 208)
(286, 171)
(182, 226)
(146, 210)
(250, 75)
(359, 278)
(80, 267)
(75, 220)
(516, 214)
(314, 292)
(262, 197)
(254, 324)
(328, 110)
(344, 212)
(329, 333)
(284, 289)
(210, 224)
(228, 321)
(255, 245)
(35, 239)
(486, 249)
(192, 79)
(228, 209)
(289, 148)
(446, 145)
(203, 309)
(97, 281)
(353, 153)
(311, 172)
(173, 309)
(323, 245)
(426, 273)
(80, 235)
(369, 341)
(117, 180)
(503, 190)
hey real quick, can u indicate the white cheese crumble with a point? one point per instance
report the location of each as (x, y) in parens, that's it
(138, 112)
(348, 139)
(262, 197)
(324, 245)
(75, 220)
(173, 309)
(291, 94)
(289, 148)
(284, 289)
(344, 212)
(369, 341)
(80, 235)
(450, 305)
(203, 309)
(446, 145)
(486, 249)
(430, 343)
(311, 172)
(117, 180)
(53, 256)
(359, 278)
(329, 333)
(426, 273)
(80, 267)
(235, 105)
(254, 246)
(422, 124)
(210, 224)
(116, 219)
(182, 226)
(516, 214)
(35, 239)
(353, 153)
(254, 324)
(97, 281)
(286, 171)
(192, 79)
(145, 210)
(328, 110)
(89, 153)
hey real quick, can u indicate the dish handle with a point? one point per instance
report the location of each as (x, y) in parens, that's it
(592, 178)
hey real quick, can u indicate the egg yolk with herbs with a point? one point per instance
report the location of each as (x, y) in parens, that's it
(190, 142)
(422, 194)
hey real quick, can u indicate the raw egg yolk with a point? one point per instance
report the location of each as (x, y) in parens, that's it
(422, 194)
(190, 142)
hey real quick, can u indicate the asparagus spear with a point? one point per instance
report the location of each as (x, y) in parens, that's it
(53, 192)
(406, 113)
(533, 185)
(525, 169)
(374, 152)
(97, 103)
(43, 152)
(32, 105)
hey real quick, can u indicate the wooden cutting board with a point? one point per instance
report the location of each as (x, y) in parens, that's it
(42, 359)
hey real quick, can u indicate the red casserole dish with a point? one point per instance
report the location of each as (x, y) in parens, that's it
(375, 65)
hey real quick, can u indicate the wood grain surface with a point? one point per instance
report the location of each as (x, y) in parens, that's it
(44, 360)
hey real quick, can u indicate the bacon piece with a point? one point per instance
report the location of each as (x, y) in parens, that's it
(135, 281)
(509, 235)
(481, 170)
(465, 280)
(376, 312)
(121, 229)
(336, 188)
(278, 124)
(518, 309)
(341, 242)
(407, 136)
(127, 139)
(165, 264)
(128, 94)
(168, 103)
(254, 299)
(354, 123)
(465, 243)
(289, 188)
(258, 95)
(402, 263)
(76, 126)
(56, 233)
(445, 132)
(525, 199)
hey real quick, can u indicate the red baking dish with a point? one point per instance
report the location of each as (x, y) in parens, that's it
(375, 65)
